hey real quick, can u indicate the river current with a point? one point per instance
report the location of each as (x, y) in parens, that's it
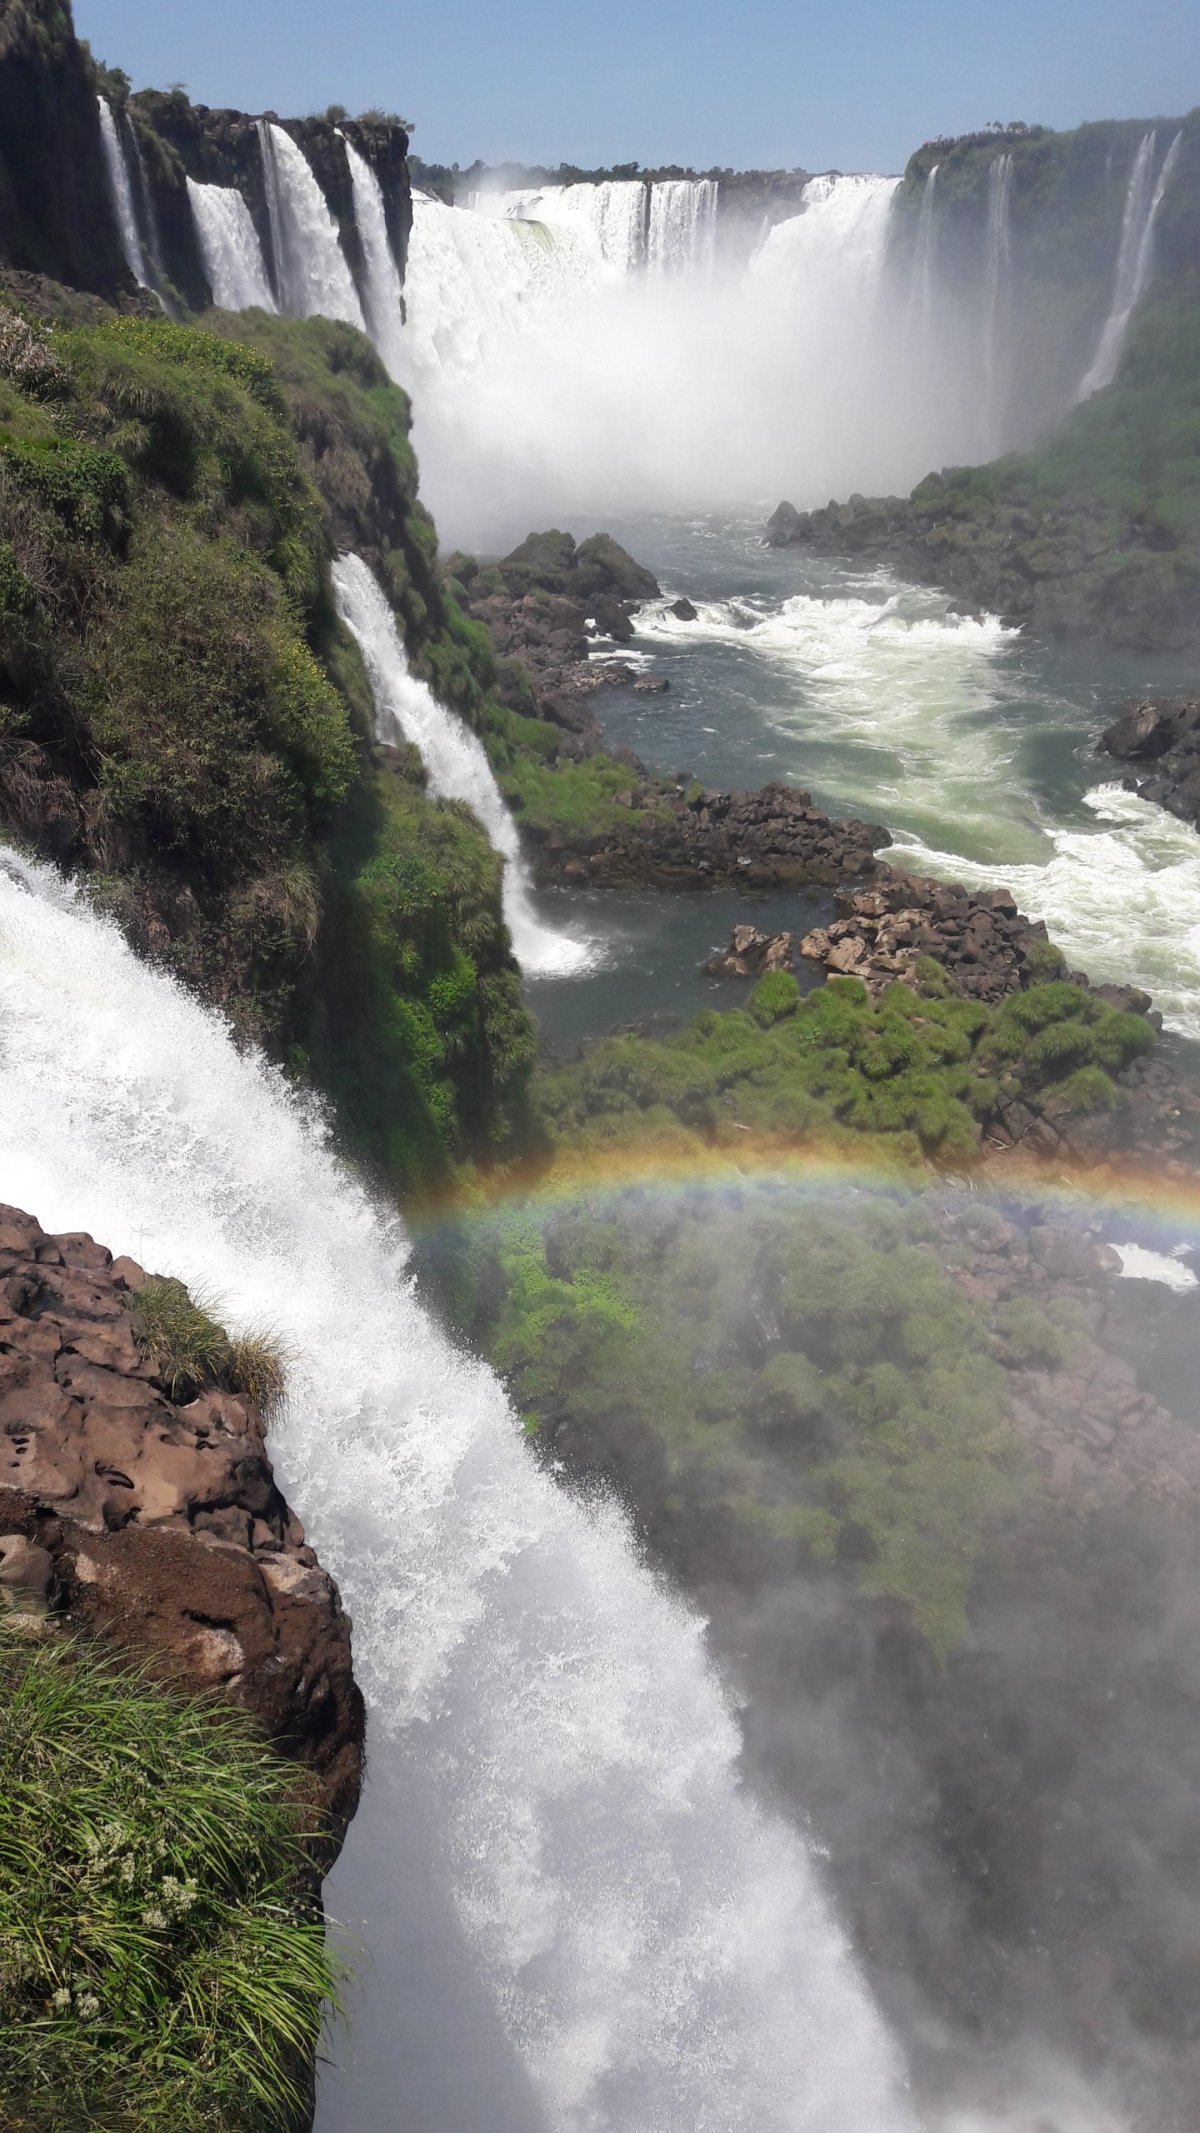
(974, 745)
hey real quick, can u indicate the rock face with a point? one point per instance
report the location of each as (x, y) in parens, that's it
(179, 140)
(159, 1526)
(1165, 732)
(56, 217)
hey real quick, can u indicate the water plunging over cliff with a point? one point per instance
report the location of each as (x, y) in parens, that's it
(406, 709)
(312, 275)
(923, 288)
(609, 220)
(997, 273)
(122, 194)
(682, 230)
(384, 295)
(229, 246)
(1135, 258)
(659, 1950)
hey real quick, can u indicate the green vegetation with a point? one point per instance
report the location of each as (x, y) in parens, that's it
(191, 1351)
(793, 1384)
(182, 714)
(161, 1964)
(917, 1071)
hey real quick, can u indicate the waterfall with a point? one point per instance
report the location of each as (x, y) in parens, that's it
(406, 709)
(1135, 258)
(659, 1949)
(122, 194)
(609, 219)
(683, 225)
(923, 287)
(997, 271)
(312, 276)
(384, 295)
(552, 387)
(229, 246)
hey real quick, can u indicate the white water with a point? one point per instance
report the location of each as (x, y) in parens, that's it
(609, 220)
(996, 293)
(659, 1950)
(551, 385)
(229, 246)
(923, 290)
(122, 194)
(312, 274)
(384, 295)
(682, 231)
(406, 708)
(1135, 258)
(1138, 1263)
(904, 713)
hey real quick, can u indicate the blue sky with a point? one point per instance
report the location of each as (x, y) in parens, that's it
(855, 85)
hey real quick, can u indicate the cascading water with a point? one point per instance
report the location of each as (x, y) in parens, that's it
(122, 194)
(682, 230)
(229, 246)
(659, 1950)
(550, 385)
(312, 276)
(997, 273)
(610, 219)
(923, 288)
(406, 709)
(1135, 258)
(384, 295)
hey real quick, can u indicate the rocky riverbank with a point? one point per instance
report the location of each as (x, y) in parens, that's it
(155, 1521)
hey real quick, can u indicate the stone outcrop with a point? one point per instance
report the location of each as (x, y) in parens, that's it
(985, 946)
(1163, 732)
(685, 834)
(159, 1525)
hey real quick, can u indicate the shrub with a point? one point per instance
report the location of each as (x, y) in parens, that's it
(162, 1968)
(774, 997)
(191, 1351)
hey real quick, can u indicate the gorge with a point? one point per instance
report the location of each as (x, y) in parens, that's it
(741, 1395)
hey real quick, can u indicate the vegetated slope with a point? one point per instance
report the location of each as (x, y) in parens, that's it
(183, 718)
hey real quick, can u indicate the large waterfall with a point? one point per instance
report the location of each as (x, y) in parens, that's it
(407, 710)
(1134, 259)
(122, 194)
(384, 295)
(660, 1951)
(312, 275)
(229, 246)
(923, 287)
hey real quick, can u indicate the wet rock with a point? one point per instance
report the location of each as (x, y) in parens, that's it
(682, 610)
(1165, 731)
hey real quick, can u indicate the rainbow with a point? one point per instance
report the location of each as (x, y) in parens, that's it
(1152, 1203)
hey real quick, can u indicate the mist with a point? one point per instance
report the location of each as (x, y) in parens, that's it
(820, 356)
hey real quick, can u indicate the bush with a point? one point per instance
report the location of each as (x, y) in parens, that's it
(191, 1351)
(160, 1964)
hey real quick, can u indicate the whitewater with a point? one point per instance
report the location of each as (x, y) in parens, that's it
(659, 1951)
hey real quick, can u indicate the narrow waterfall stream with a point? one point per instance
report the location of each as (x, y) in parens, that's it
(385, 295)
(122, 193)
(406, 709)
(1142, 203)
(657, 1951)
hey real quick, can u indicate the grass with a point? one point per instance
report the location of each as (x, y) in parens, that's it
(160, 1967)
(192, 1352)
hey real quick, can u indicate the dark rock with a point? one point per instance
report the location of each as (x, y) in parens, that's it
(159, 1525)
(682, 610)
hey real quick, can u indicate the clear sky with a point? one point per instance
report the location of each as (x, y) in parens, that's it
(848, 84)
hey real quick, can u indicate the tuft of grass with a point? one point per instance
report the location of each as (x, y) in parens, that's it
(162, 1966)
(192, 1351)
